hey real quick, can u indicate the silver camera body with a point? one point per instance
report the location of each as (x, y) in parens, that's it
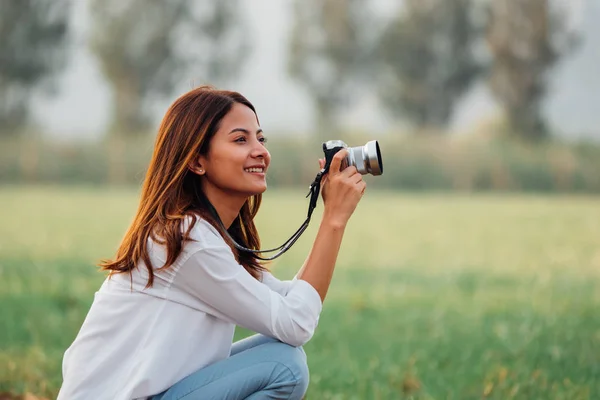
(367, 159)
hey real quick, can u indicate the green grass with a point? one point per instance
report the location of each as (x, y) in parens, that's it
(435, 296)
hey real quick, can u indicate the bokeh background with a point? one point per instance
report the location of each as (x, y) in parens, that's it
(470, 269)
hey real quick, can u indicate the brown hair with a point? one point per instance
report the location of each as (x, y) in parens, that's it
(171, 192)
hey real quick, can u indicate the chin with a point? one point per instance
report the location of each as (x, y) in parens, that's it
(260, 191)
(255, 191)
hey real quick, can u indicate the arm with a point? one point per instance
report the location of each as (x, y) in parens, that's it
(320, 263)
(279, 286)
(212, 281)
(342, 190)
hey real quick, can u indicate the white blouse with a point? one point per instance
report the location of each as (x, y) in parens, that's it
(137, 342)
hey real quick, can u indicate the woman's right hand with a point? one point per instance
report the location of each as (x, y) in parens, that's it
(341, 190)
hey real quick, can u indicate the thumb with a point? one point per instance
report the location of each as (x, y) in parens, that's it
(336, 162)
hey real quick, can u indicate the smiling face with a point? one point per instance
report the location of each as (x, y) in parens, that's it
(237, 159)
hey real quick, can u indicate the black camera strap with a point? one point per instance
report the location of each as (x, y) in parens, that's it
(313, 192)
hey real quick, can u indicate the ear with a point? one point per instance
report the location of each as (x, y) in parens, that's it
(196, 166)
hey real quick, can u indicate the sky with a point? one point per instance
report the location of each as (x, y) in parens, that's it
(82, 108)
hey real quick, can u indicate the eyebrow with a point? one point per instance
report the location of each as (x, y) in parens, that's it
(246, 131)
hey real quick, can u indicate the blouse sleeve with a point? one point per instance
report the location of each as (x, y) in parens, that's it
(279, 286)
(212, 281)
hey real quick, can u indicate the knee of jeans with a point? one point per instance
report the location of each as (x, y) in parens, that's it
(294, 358)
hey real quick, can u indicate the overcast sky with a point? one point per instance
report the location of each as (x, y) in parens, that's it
(83, 106)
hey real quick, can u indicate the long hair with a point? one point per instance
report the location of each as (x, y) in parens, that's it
(171, 192)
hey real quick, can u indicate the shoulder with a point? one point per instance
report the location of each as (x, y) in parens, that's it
(202, 233)
(203, 237)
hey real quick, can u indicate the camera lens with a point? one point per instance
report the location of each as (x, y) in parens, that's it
(366, 159)
(373, 158)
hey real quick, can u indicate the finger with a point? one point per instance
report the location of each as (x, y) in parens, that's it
(350, 171)
(336, 162)
(324, 180)
(321, 163)
(356, 178)
(362, 185)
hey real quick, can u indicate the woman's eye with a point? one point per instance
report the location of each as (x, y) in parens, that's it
(242, 139)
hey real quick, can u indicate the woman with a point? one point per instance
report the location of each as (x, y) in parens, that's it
(162, 324)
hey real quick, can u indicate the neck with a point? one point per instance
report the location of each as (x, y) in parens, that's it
(227, 206)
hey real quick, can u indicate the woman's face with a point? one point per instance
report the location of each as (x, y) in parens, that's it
(237, 159)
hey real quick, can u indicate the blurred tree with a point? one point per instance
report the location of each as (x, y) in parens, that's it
(525, 40)
(145, 47)
(428, 61)
(33, 38)
(329, 54)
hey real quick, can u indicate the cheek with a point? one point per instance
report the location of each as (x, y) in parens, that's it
(227, 165)
(223, 157)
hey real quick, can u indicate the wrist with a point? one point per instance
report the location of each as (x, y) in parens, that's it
(333, 221)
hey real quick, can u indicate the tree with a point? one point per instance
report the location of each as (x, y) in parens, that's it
(33, 38)
(147, 47)
(526, 39)
(329, 53)
(427, 60)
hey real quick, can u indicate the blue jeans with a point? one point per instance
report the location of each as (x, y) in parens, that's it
(259, 368)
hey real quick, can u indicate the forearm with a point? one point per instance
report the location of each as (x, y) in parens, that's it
(318, 268)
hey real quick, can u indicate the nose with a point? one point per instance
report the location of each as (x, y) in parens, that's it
(259, 150)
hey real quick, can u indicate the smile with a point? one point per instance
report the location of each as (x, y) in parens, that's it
(255, 170)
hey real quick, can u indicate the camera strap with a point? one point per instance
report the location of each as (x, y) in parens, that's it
(313, 192)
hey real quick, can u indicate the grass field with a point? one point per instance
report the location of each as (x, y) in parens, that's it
(435, 297)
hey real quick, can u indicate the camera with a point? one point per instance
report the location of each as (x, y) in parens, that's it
(366, 159)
